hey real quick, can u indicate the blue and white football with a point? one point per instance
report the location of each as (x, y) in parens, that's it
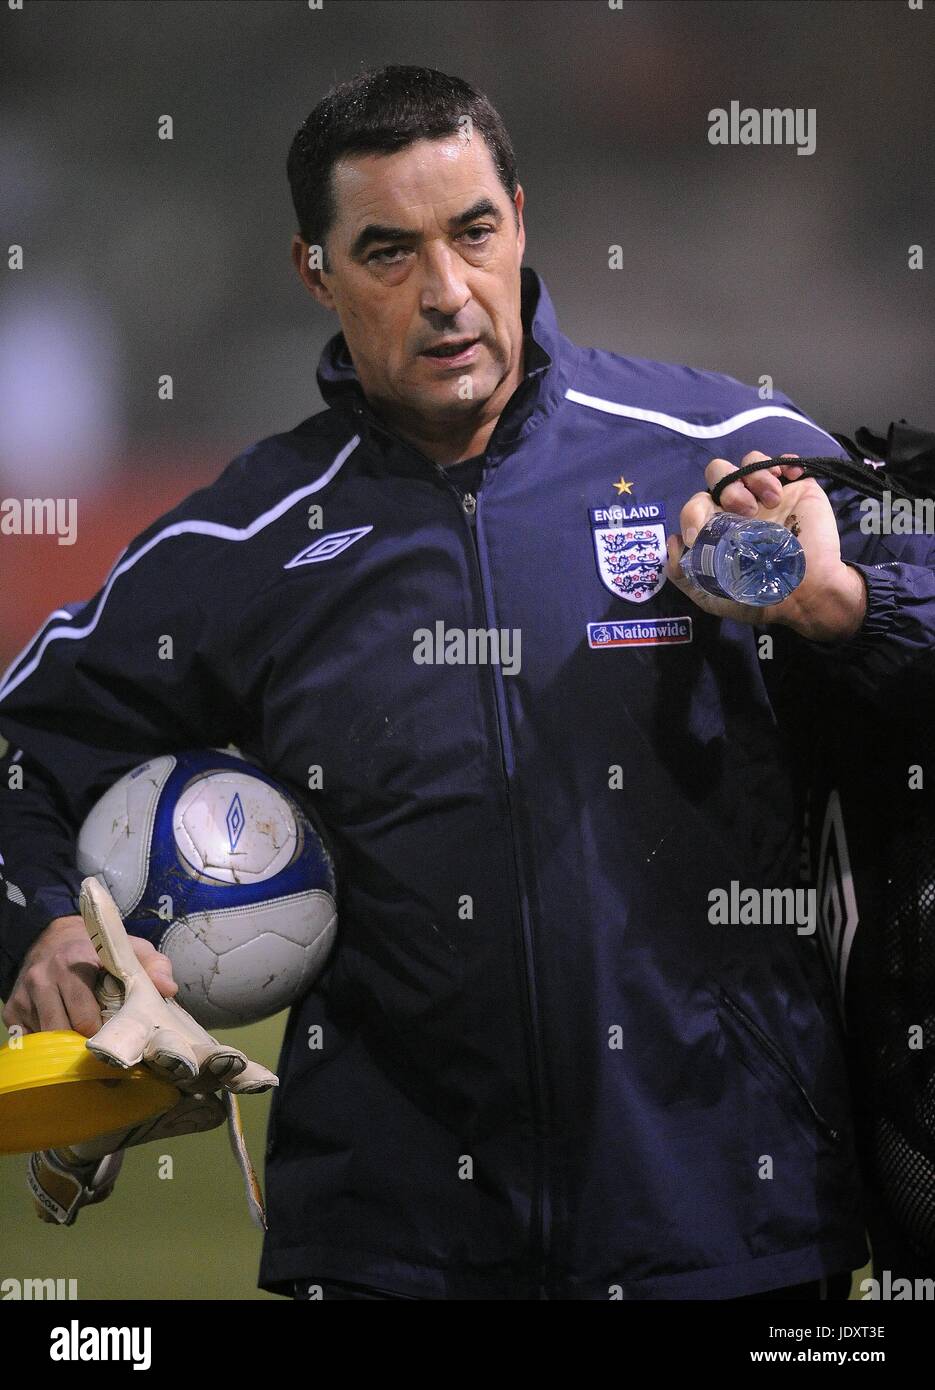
(216, 864)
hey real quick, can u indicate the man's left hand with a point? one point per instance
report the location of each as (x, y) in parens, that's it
(831, 601)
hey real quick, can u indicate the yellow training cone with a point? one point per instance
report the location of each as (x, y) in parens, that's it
(53, 1092)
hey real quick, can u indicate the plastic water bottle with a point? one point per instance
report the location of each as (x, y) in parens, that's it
(755, 562)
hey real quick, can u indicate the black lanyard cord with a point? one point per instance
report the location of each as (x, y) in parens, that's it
(871, 482)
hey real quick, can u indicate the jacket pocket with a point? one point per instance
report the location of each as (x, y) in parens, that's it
(769, 1063)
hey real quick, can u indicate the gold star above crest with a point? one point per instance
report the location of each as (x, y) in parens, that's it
(623, 486)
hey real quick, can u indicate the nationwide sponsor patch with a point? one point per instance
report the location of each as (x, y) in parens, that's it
(630, 548)
(640, 632)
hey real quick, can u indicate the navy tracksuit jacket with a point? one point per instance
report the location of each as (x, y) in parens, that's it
(543, 1071)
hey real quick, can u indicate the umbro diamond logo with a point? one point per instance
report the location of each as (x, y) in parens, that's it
(326, 547)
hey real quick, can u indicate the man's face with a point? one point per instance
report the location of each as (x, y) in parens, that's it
(425, 247)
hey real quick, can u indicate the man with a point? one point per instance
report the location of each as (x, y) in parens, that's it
(876, 893)
(872, 846)
(545, 1070)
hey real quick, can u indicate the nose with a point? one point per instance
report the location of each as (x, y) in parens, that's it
(444, 290)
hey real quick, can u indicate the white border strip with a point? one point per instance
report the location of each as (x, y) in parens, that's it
(58, 613)
(180, 528)
(673, 422)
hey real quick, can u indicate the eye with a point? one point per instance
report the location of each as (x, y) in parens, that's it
(387, 251)
(388, 255)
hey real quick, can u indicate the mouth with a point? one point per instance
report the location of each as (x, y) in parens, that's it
(454, 352)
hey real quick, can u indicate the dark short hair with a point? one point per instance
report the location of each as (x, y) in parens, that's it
(380, 111)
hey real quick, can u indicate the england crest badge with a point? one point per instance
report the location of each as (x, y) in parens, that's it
(630, 548)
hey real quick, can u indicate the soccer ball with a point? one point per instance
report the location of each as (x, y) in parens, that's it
(214, 863)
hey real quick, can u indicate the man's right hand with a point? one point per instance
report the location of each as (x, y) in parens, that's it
(55, 986)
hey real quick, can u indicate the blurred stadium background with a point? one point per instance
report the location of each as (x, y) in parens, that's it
(145, 256)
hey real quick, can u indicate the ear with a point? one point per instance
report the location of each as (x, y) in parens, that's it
(518, 201)
(306, 260)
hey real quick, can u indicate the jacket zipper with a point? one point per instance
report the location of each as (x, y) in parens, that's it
(469, 506)
(778, 1058)
(541, 1211)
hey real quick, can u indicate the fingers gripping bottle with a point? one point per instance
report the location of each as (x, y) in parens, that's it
(754, 562)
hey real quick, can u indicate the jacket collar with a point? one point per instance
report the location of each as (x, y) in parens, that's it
(548, 369)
